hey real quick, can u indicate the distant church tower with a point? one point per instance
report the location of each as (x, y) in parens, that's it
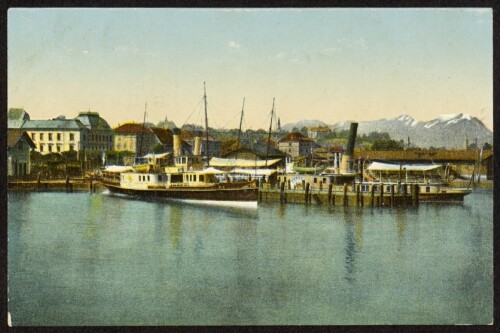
(165, 123)
(279, 125)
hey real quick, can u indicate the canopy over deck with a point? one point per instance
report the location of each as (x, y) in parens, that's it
(256, 172)
(241, 163)
(378, 166)
(118, 168)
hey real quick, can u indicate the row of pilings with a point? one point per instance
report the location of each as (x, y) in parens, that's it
(397, 195)
(69, 185)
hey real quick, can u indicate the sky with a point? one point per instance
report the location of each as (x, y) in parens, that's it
(327, 64)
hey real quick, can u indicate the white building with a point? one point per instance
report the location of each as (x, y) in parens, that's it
(87, 132)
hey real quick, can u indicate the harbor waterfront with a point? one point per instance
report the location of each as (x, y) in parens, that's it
(96, 259)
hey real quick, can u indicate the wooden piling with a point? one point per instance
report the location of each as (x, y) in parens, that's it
(381, 194)
(306, 194)
(392, 195)
(67, 184)
(372, 195)
(38, 182)
(345, 199)
(330, 187)
(357, 194)
(414, 194)
(282, 192)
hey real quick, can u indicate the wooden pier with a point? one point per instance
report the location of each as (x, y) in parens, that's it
(406, 195)
(57, 185)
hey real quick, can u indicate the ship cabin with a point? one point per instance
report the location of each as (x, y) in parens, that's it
(145, 181)
(316, 182)
(186, 163)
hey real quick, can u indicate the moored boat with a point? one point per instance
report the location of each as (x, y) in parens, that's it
(389, 177)
(185, 179)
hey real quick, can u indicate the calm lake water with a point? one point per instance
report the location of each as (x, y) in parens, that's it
(95, 259)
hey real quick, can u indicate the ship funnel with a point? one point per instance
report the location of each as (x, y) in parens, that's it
(177, 141)
(197, 143)
(349, 152)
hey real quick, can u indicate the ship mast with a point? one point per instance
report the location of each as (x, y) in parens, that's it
(241, 121)
(143, 129)
(206, 123)
(270, 128)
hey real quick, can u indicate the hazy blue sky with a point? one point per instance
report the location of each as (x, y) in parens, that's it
(327, 64)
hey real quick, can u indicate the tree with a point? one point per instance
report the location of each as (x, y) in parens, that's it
(386, 145)
(487, 146)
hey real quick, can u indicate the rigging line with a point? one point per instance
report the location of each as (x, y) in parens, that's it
(236, 114)
(198, 105)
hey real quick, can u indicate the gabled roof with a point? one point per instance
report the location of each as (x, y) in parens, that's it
(132, 128)
(17, 114)
(14, 135)
(165, 135)
(259, 149)
(54, 124)
(294, 137)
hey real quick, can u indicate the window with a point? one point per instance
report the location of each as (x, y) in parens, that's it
(58, 136)
(50, 136)
(315, 180)
(33, 136)
(41, 147)
(41, 136)
(71, 147)
(427, 189)
(50, 148)
(202, 178)
(58, 148)
(176, 179)
(71, 137)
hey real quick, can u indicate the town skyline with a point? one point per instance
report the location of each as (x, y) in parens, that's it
(332, 65)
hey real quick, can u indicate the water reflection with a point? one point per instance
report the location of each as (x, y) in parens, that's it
(401, 226)
(92, 222)
(353, 240)
(175, 225)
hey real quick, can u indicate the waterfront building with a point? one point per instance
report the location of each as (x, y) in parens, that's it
(87, 132)
(56, 135)
(19, 145)
(254, 151)
(100, 134)
(317, 133)
(296, 145)
(134, 137)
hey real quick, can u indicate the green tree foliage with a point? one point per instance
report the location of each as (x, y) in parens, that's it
(386, 145)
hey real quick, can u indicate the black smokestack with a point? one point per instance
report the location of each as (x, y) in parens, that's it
(352, 139)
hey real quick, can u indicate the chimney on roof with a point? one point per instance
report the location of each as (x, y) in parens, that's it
(177, 141)
(197, 143)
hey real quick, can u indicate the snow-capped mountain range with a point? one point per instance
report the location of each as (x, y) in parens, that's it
(449, 131)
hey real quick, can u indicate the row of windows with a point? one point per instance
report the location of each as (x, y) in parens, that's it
(102, 138)
(50, 147)
(58, 137)
(50, 136)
